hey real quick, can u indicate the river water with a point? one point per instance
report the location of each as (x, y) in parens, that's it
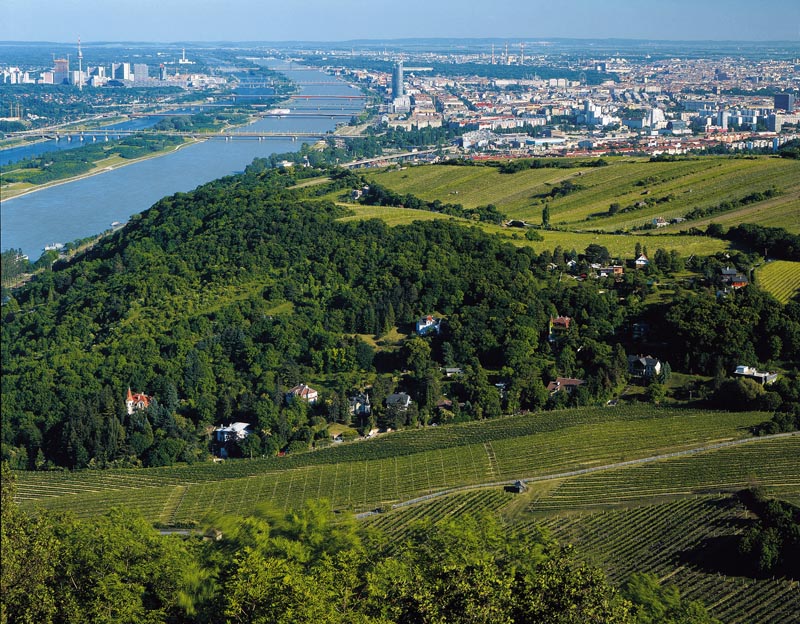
(88, 206)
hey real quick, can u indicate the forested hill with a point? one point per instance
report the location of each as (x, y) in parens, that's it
(216, 302)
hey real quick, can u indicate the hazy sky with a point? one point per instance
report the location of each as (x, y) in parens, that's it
(339, 20)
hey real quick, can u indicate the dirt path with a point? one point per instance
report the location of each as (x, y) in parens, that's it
(582, 471)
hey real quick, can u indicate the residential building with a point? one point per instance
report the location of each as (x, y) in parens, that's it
(750, 372)
(559, 326)
(564, 384)
(226, 438)
(643, 366)
(428, 325)
(136, 401)
(304, 392)
(398, 400)
(359, 404)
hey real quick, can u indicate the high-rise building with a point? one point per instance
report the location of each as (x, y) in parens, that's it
(140, 73)
(397, 80)
(121, 71)
(60, 71)
(784, 101)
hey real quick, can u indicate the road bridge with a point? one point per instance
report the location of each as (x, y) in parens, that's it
(94, 135)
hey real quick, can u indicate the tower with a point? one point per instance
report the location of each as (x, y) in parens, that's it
(492, 54)
(397, 80)
(80, 66)
(522, 53)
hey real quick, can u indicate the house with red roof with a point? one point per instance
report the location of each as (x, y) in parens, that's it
(136, 401)
(304, 392)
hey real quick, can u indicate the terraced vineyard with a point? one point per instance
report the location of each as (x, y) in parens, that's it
(780, 278)
(611, 519)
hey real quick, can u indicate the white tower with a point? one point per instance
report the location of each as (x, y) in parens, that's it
(80, 66)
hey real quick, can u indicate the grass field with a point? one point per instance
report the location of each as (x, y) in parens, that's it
(670, 189)
(780, 278)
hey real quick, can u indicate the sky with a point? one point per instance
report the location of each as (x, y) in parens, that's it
(343, 20)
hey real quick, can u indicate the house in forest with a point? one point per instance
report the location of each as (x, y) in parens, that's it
(564, 384)
(136, 401)
(398, 400)
(749, 372)
(559, 326)
(428, 325)
(358, 404)
(643, 366)
(641, 261)
(732, 278)
(226, 438)
(304, 392)
(616, 270)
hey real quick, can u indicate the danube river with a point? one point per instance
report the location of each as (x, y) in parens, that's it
(87, 206)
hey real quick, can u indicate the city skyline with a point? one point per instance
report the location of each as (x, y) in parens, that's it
(318, 20)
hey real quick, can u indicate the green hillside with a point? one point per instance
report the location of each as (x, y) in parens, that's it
(664, 189)
(215, 303)
(403, 465)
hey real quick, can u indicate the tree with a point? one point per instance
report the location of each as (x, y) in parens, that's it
(595, 253)
(546, 216)
(30, 554)
(657, 604)
(656, 392)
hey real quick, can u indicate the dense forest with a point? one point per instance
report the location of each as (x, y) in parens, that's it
(307, 566)
(216, 302)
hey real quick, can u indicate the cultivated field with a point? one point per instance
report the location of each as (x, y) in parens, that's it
(657, 512)
(780, 278)
(363, 475)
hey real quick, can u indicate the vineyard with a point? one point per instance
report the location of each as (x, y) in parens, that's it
(780, 278)
(652, 189)
(363, 475)
(679, 541)
(661, 518)
(663, 510)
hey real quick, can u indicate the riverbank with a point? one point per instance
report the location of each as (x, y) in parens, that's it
(10, 193)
